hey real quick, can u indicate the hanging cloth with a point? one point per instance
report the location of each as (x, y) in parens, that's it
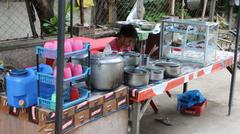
(86, 3)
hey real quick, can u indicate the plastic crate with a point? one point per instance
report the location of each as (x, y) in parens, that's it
(196, 110)
(52, 54)
(48, 104)
(51, 79)
(189, 99)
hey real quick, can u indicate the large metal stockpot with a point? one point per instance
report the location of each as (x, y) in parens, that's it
(106, 71)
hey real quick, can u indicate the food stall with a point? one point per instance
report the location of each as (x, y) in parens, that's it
(82, 97)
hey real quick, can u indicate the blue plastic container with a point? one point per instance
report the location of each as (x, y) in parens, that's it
(46, 90)
(21, 86)
(49, 104)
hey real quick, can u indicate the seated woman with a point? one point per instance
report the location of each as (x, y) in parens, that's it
(125, 40)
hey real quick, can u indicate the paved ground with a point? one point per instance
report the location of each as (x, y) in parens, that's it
(214, 121)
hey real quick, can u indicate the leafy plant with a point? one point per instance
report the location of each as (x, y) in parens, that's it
(156, 9)
(52, 24)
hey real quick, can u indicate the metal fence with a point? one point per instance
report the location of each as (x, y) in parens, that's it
(15, 22)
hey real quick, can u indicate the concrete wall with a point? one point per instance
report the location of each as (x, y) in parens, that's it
(20, 53)
(19, 57)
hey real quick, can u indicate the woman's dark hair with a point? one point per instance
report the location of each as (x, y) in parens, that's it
(128, 31)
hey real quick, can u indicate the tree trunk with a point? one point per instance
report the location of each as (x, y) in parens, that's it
(44, 10)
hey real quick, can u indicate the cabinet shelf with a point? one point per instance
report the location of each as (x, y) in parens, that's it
(52, 54)
(51, 79)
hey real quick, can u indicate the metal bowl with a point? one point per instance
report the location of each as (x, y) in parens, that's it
(136, 77)
(172, 70)
(156, 73)
(147, 25)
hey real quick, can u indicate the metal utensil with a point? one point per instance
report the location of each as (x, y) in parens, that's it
(172, 70)
(156, 73)
(131, 58)
(136, 77)
(153, 50)
(106, 71)
(144, 60)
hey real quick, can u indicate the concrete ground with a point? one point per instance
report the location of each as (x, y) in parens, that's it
(215, 88)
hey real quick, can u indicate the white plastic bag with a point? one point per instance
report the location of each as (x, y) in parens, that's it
(137, 12)
(107, 50)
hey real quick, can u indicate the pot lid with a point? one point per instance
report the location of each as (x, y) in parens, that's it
(18, 72)
(167, 64)
(106, 59)
(131, 53)
(155, 68)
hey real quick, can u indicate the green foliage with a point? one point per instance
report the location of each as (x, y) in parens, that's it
(156, 9)
(178, 7)
(52, 24)
(123, 8)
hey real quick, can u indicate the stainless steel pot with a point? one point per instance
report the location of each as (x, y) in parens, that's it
(171, 69)
(136, 77)
(106, 71)
(156, 73)
(131, 58)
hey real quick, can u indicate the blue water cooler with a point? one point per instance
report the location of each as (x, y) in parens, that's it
(21, 86)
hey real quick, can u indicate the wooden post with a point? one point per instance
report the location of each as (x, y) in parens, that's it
(204, 9)
(30, 17)
(110, 11)
(182, 9)
(172, 7)
(81, 12)
(212, 10)
(230, 17)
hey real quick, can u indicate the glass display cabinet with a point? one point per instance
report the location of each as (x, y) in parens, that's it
(189, 40)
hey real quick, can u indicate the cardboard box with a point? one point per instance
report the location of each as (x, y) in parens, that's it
(13, 111)
(47, 129)
(109, 96)
(68, 123)
(96, 112)
(109, 106)
(121, 92)
(122, 102)
(47, 116)
(96, 101)
(21, 113)
(82, 117)
(82, 106)
(33, 115)
(3, 104)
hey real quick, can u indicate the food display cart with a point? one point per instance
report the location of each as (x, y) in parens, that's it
(141, 97)
(179, 42)
(107, 111)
